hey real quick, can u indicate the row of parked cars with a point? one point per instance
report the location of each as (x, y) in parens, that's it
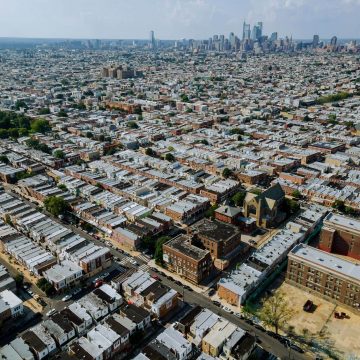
(177, 282)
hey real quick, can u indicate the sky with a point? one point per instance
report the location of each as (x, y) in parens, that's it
(176, 19)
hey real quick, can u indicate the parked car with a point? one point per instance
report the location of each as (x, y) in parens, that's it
(216, 303)
(51, 312)
(211, 292)
(67, 297)
(98, 283)
(76, 291)
(296, 348)
(308, 305)
(228, 310)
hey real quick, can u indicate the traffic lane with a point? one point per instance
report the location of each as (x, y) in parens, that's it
(267, 342)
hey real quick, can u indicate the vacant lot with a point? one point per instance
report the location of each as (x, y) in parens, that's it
(339, 337)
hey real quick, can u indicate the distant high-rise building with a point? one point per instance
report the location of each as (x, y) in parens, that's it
(256, 33)
(246, 31)
(152, 40)
(333, 41)
(232, 40)
(274, 36)
(315, 41)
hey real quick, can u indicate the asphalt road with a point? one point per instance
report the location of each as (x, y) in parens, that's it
(267, 342)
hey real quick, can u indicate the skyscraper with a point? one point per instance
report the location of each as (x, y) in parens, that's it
(274, 36)
(246, 31)
(333, 41)
(152, 40)
(315, 41)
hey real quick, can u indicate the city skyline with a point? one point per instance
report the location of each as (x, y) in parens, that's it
(196, 19)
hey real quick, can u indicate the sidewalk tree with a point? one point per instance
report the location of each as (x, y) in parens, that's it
(19, 279)
(276, 311)
(158, 249)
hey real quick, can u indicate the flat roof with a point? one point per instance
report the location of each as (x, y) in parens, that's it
(326, 260)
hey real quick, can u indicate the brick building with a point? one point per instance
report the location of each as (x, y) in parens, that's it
(329, 276)
(228, 214)
(222, 240)
(187, 260)
(341, 235)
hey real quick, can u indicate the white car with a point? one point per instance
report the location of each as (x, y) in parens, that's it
(66, 297)
(51, 312)
(225, 308)
(132, 261)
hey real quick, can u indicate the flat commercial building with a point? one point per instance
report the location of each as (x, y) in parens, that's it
(341, 235)
(329, 276)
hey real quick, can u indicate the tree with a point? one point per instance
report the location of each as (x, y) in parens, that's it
(62, 113)
(35, 144)
(59, 154)
(204, 141)
(226, 173)
(339, 205)
(159, 250)
(40, 126)
(89, 134)
(62, 187)
(44, 111)
(20, 104)
(238, 198)
(4, 134)
(276, 311)
(19, 279)
(132, 125)
(45, 286)
(4, 159)
(184, 98)
(56, 205)
(169, 157)
(296, 194)
(291, 206)
(236, 131)
(210, 213)
(149, 151)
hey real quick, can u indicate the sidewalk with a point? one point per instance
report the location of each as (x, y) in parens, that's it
(176, 277)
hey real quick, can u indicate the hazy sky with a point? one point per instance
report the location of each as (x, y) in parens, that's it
(175, 19)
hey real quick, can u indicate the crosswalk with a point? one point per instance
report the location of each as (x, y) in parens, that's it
(144, 267)
(143, 257)
(125, 262)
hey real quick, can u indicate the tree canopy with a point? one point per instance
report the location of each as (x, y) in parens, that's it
(158, 249)
(238, 198)
(276, 311)
(40, 126)
(56, 205)
(226, 173)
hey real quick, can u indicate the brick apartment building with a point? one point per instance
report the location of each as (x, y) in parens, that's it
(329, 276)
(187, 260)
(219, 238)
(341, 235)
